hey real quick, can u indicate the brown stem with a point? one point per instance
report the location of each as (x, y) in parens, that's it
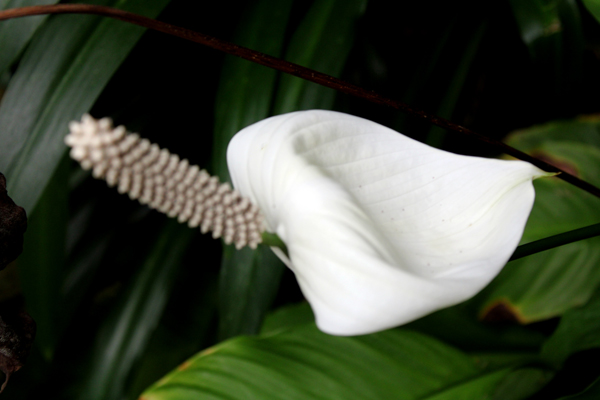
(292, 69)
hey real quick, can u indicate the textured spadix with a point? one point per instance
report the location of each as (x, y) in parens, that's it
(161, 180)
(380, 229)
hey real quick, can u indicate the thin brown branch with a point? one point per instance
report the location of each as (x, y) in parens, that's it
(292, 69)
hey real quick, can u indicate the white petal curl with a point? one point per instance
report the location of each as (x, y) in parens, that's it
(380, 229)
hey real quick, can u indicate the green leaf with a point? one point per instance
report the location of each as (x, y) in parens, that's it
(593, 6)
(187, 324)
(51, 88)
(244, 97)
(521, 383)
(125, 334)
(288, 317)
(247, 287)
(169, 346)
(579, 329)
(16, 33)
(514, 346)
(41, 270)
(501, 385)
(584, 129)
(322, 42)
(304, 363)
(547, 284)
(246, 89)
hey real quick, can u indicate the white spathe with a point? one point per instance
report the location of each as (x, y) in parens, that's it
(380, 229)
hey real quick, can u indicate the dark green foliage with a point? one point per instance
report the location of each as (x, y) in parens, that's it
(122, 295)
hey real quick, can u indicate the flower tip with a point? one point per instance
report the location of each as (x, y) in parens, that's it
(87, 119)
(544, 174)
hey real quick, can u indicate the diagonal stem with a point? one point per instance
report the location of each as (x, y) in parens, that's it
(292, 69)
(555, 241)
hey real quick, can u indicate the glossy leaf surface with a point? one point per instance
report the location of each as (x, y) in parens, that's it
(304, 363)
(578, 330)
(15, 34)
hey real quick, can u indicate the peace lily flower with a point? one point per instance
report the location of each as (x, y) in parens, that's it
(380, 229)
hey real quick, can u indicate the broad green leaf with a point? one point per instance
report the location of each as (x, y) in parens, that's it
(304, 363)
(125, 334)
(51, 88)
(491, 346)
(16, 33)
(244, 97)
(514, 347)
(498, 385)
(579, 329)
(322, 42)
(593, 6)
(41, 266)
(549, 283)
(472, 389)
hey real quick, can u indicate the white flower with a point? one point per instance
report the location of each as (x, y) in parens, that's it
(380, 229)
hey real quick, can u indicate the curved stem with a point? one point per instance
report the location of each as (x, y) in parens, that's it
(292, 69)
(556, 241)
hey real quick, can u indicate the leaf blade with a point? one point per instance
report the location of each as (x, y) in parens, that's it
(300, 363)
(52, 88)
(322, 42)
(126, 332)
(16, 33)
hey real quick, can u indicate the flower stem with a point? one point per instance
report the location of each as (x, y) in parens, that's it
(555, 241)
(272, 240)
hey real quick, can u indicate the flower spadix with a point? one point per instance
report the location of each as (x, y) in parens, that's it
(380, 229)
(163, 181)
